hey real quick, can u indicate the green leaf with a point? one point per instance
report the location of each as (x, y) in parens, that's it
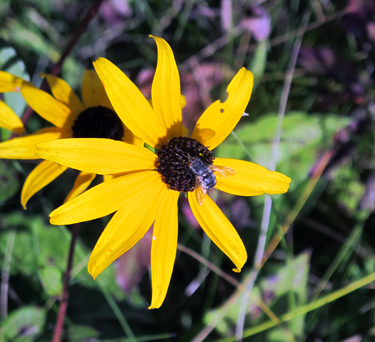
(302, 138)
(23, 257)
(9, 183)
(31, 39)
(23, 324)
(80, 333)
(51, 279)
(37, 244)
(53, 245)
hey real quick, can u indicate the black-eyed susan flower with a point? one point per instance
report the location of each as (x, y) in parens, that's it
(94, 117)
(149, 192)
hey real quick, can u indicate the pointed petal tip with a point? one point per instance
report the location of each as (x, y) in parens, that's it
(93, 274)
(93, 269)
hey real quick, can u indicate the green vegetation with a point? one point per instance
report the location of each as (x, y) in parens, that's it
(316, 281)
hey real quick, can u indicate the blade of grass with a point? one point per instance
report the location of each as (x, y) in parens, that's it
(240, 142)
(314, 178)
(5, 273)
(117, 311)
(308, 307)
(183, 20)
(344, 253)
(268, 201)
(230, 280)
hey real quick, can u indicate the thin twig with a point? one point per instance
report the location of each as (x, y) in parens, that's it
(57, 67)
(65, 295)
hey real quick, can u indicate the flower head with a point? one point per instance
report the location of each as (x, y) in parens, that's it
(94, 117)
(149, 192)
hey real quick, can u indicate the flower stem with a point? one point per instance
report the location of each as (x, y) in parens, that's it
(65, 295)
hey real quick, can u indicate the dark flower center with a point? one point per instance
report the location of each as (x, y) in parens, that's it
(98, 122)
(175, 160)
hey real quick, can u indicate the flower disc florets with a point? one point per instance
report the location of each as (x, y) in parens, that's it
(174, 162)
(98, 122)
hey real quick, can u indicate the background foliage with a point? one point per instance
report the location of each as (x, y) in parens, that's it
(329, 113)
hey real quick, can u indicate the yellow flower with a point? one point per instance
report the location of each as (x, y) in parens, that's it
(72, 118)
(149, 192)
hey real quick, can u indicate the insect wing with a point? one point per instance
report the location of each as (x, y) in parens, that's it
(200, 193)
(222, 171)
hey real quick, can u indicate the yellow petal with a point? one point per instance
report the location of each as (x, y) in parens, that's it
(164, 247)
(219, 119)
(9, 82)
(130, 138)
(250, 179)
(41, 176)
(24, 147)
(106, 198)
(166, 92)
(93, 92)
(107, 178)
(130, 105)
(126, 228)
(64, 93)
(45, 105)
(219, 229)
(10, 120)
(100, 156)
(82, 182)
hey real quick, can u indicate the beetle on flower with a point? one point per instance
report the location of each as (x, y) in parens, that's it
(147, 191)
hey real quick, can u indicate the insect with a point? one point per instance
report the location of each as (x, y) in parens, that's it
(205, 178)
